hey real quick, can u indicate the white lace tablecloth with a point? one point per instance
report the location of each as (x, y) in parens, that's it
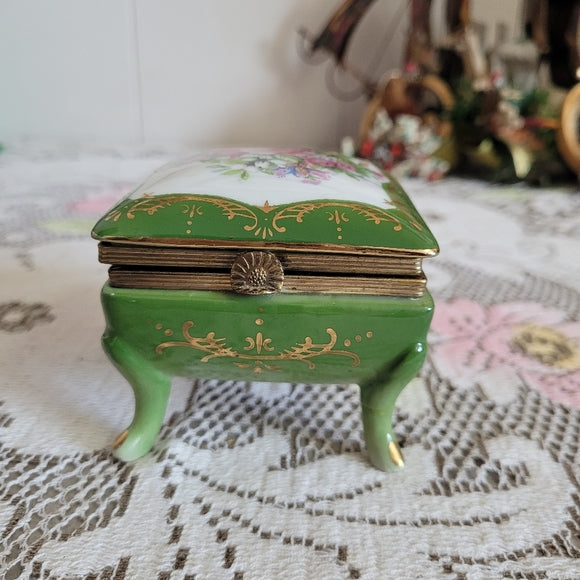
(255, 481)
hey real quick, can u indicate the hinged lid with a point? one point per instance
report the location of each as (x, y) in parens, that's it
(268, 221)
(297, 200)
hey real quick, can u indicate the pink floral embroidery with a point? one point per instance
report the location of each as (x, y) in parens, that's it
(98, 202)
(535, 341)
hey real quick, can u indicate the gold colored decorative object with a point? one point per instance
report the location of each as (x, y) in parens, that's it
(259, 348)
(120, 439)
(258, 219)
(257, 273)
(396, 455)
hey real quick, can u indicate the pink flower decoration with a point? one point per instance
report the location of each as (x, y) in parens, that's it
(323, 161)
(532, 340)
(97, 203)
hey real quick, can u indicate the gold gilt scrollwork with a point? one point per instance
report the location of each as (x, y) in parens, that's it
(401, 201)
(259, 350)
(297, 211)
(150, 205)
(266, 221)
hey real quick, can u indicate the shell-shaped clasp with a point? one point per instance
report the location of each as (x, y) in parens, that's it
(257, 273)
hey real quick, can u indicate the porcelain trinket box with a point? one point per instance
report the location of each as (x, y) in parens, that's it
(269, 265)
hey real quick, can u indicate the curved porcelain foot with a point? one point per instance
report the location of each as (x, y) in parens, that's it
(151, 389)
(378, 398)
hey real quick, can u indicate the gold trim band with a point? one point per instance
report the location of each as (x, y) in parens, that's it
(127, 255)
(269, 246)
(410, 287)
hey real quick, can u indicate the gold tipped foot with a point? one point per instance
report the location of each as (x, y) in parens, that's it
(120, 439)
(396, 455)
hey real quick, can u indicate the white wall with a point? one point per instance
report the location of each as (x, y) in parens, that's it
(189, 72)
(182, 72)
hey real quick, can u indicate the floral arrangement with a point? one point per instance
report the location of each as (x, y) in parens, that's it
(501, 133)
(305, 165)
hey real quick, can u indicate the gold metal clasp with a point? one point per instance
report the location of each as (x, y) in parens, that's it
(257, 273)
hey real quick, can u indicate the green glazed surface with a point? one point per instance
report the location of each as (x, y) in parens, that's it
(288, 199)
(297, 200)
(376, 342)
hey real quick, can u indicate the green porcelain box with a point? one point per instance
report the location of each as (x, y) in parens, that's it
(269, 265)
